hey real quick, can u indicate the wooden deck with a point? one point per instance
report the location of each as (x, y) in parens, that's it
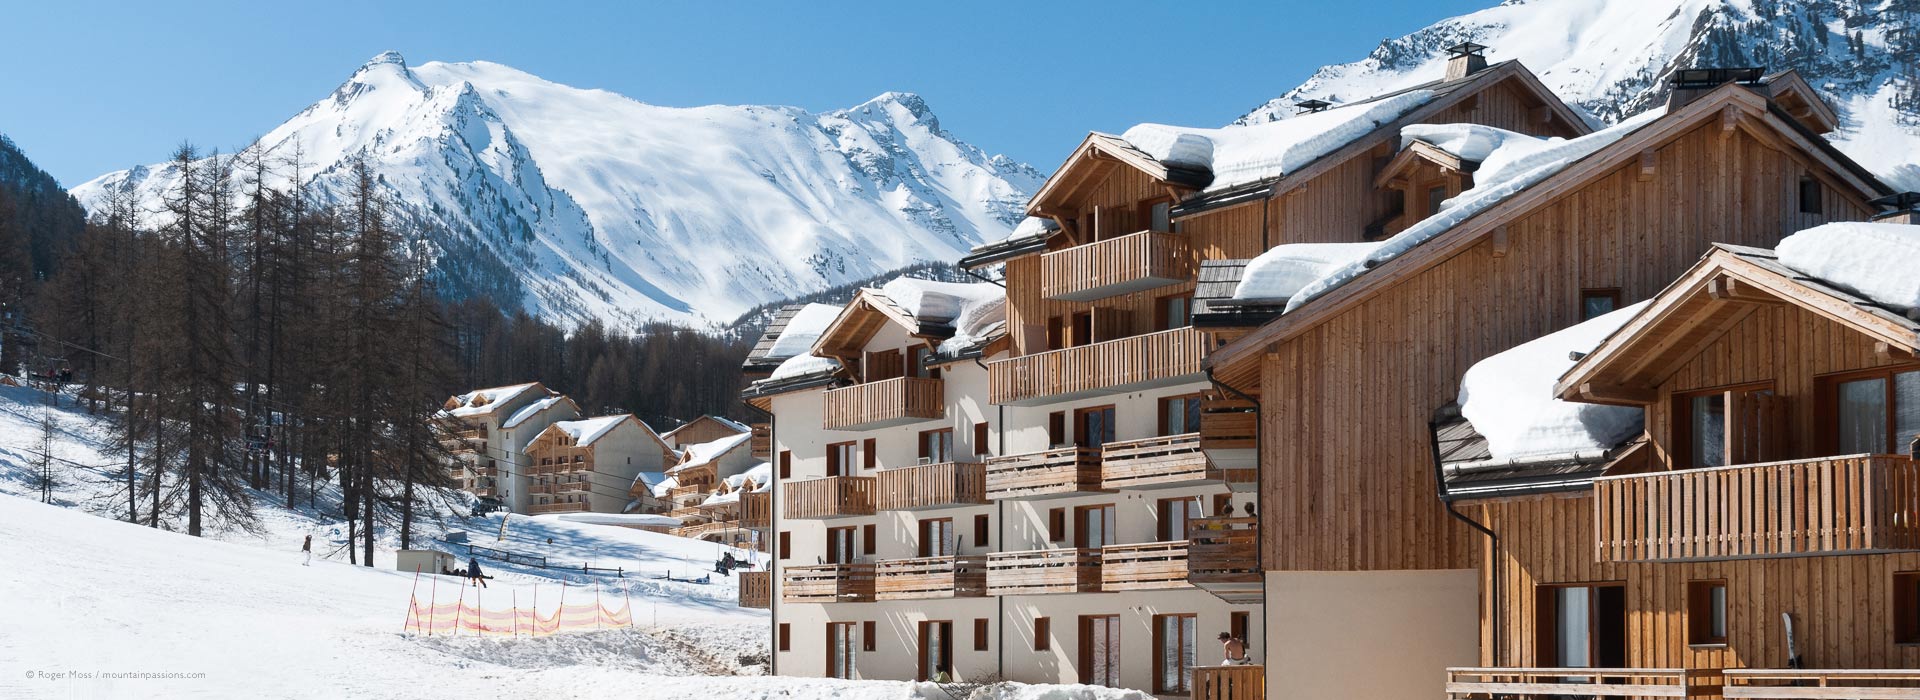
(1229, 682)
(1058, 472)
(884, 403)
(756, 589)
(1044, 571)
(539, 508)
(827, 583)
(1144, 567)
(930, 486)
(1116, 266)
(1547, 683)
(1156, 462)
(1143, 361)
(931, 577)
(1223, 558)
(1836, 505)
(830, 497)
(756, 509)
(1819, 684)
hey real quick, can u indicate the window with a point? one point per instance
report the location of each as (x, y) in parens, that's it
(785, 636)
(1158, 214)
(1056, 333)
(1173, 653)
(1706, 612)
(981, 530)
(936, 538)
(840, 650)
(1042, 634)
(1581, 626)
(1180, 415)
(786, 464)
(1906, 607)
(869, 641)
(936, 446)
(1706, 429)
(839, 545)
(786, 552)
(1094, 526)
(1057, 429)
(1057, 525)
(1082, 330)
(936, 648)
(981, 437)
(979, 634)
(1810, 196)
(840, 456)
(1876, 412)
(918, 357)
(1100, 650)
(1240, 624)
(1174, 514)
(1093, 427)
(870, 453)
(1598, 302)
(1173, 312)
(1436, 195)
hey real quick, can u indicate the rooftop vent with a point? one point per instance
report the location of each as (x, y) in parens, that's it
(1688, 84)
(1902, 208)
(1464, 59)
(1311, 106)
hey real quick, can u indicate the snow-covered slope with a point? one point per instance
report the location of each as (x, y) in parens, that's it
(596, 205)
(1612, 58)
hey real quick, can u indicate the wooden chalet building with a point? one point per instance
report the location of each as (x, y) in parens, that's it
(589, 465)
(487, 430)
(1374, 585)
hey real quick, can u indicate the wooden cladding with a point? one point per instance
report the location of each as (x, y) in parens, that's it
(1060, 472)
(827, 583)
(1832, 505)
(1141, 567)
(1044, 571)
(1229, 683)
(884, 403)
(962, 576)
(1544, 683)
(1116, 266)
(1811, 684)
(830, 497)
(943, 485)
(1223, 557)
(756, 509)
(1114, 366)
(1156, 462)
(762, 441)
(756, 589)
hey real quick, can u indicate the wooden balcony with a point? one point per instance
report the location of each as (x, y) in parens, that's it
(1116, 266)
(1144, 567)
(931, 577)
(827, 583)
(1044, 571)
(1229, 434)
(931, 486)
(756, 510)
(1229, 683)
(762, 441)
(1816, 684)
(1156, 462)
(1832, 505)
(756, 589)
(1065, 471)
(539, 508)
(1115, 366)
(1550, 683)
(1223, 558)
(563, 487)
(831, 497)
(884, 403)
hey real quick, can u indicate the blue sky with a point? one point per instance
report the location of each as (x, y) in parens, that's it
(90, 87)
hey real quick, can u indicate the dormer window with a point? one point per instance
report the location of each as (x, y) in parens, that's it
(1810, 196)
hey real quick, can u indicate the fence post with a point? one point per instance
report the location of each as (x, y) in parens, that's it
(435, 594)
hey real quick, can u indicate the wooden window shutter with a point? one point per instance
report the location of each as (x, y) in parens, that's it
(979, 634)
(868, 639)
(868, 534)
(924, 454)
(1042, 634)
(786, 546)
(1057, 525)
(981, 529)
(786, 464)
(1056, 428)
(869, 453)
(786, 633)
(981, 438)
(1757, 427)
(833, 460)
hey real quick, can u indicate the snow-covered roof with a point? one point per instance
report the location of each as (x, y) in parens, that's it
(1282, 271)
(584, 432)
(1878, 261)
(802, 365)
(533, 409)
(760, 474)
(705, 452)
(802, 330)
(1510, 397)
(1032, 228)
(940, 302)
(1470, 142)
(1237, 155)
(1517, 164)
(484, 401)
(658, 486)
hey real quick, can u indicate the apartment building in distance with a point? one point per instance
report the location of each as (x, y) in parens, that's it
(487, 430)
(590, 465)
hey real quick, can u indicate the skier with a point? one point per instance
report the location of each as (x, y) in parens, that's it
(473, 572)
(307, 549)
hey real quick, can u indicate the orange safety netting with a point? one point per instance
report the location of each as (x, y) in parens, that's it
(432, 617)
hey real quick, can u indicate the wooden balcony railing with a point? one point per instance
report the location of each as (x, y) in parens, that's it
(1830, 505)
(1545, 683)
(931, 577)
(1044, 571)
(831, 497)
(1141, 567)
(1127, 364)
(560, 468)
(577, 507)
(1229, 434)
(1156, 462)
(827, 583)
(929, 486)
(1229, 683)
(756, 509)
(1063, 471)
(1116, 266)
(884, 403)
(1815, 684)
(761, 444)
(562, 487)
(1223, 557)
(756, 589)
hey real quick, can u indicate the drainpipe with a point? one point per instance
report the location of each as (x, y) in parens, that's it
(773, 544)
(1000, 538)
(1493, 538)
